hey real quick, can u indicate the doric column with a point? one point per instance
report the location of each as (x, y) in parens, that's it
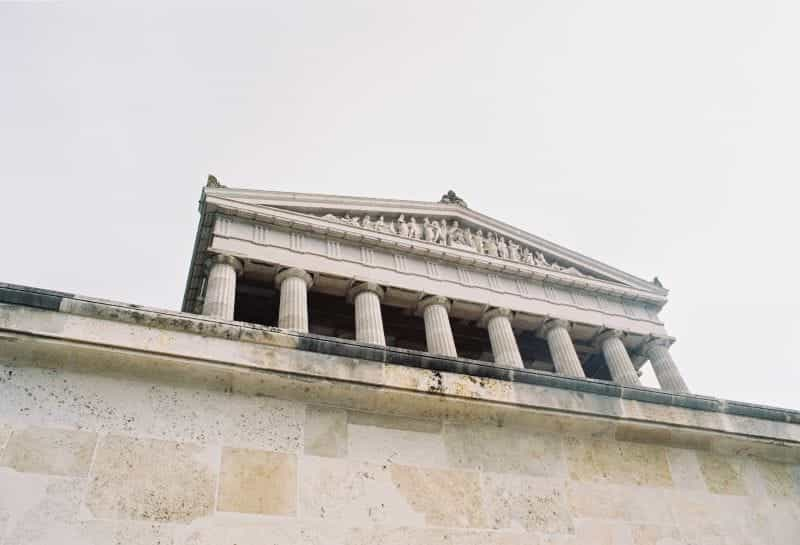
(565, 359)
(501, 337)
(670, 379)
(221, 286)
(438, 333)
(617, 358)
(293, 312)
(367, 298)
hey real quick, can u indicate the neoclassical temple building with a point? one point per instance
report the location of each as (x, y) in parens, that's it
(436, 277)
(352, 371)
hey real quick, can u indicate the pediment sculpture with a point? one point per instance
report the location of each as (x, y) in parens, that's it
(453, 235)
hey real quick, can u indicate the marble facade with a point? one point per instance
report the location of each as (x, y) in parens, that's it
(412, 252)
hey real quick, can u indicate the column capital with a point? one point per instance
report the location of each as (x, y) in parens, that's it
(234, 262)
(434, 300)
(293, 272)
(551, 324)
(655, 342)
(603, 336)
(361, 287)
(487, 316)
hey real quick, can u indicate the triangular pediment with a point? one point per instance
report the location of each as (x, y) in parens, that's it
(448, 224)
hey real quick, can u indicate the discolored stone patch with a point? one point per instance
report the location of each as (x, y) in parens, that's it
(257, 481)
(722, 474)
(152, 479)
(504, 450)
(617, 462)
(445, 497)
(325, 432)
(536, 504)
(67, 453)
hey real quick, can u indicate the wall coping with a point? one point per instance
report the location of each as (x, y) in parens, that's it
(67, 303)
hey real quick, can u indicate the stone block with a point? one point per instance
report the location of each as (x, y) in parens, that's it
(31, 504)
(535, 504)
(722, 474)
(780, 481)
(504, 450)
(152, 479)
(435, 536)
(651, 534)
(5, 433)
(359, 492)
(685, 469)
(325, 432)
(235, 529)
(98, 532)
(395, 439)
(620, 503)
(50, 451)
(256, 481)
(617, 462)
(445, 497)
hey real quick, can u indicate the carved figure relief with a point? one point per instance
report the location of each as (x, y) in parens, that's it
(438, 231)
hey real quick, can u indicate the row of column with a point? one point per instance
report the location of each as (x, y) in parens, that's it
(366, 297)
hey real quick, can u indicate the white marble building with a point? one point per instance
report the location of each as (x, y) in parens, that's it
(435, 277)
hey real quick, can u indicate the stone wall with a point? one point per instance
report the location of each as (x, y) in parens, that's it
(99, 455)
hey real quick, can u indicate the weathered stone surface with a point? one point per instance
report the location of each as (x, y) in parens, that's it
(722, 474)
(617, 462)
(255, 481)
(620, 503)
(504, 450)
(5, 433)
(325, 432)
(99, 532)
(31, 504)
(361, 493)
(435, 536)
(394, 439)
(781, 481)
(535, 504)
(685, 469)
(234, 529)
(445, 497)
(152, 479)
(51, 451)
(650, 534)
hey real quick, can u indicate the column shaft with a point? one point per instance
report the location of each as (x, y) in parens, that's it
(619, 362)
(369, 321)
(293, 311)
(438, 333)
(502, 339)
(565, 359)
(665, 369)
(221, 287)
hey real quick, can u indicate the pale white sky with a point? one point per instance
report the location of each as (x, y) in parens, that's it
(659, 137)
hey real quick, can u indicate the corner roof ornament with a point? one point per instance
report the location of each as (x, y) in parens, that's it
(213, 182)
(451, 198)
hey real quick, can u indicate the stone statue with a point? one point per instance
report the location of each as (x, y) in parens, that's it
(439, 235)
(491, 245)
(538, 259)
(527, 257)
(414, 230)
(502, 248)
(331, 217)
(455, 235)
(381, 226)
(428, 230)
(513, 251)
(451, 198)
(478, 242)
(367, 223)
(469, 238)
(402, 226)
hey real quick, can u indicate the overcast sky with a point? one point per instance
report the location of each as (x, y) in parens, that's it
(659, 137)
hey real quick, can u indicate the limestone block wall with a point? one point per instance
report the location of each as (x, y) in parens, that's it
(101, 456)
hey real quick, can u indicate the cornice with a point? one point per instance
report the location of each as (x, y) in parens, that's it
(306, 202)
